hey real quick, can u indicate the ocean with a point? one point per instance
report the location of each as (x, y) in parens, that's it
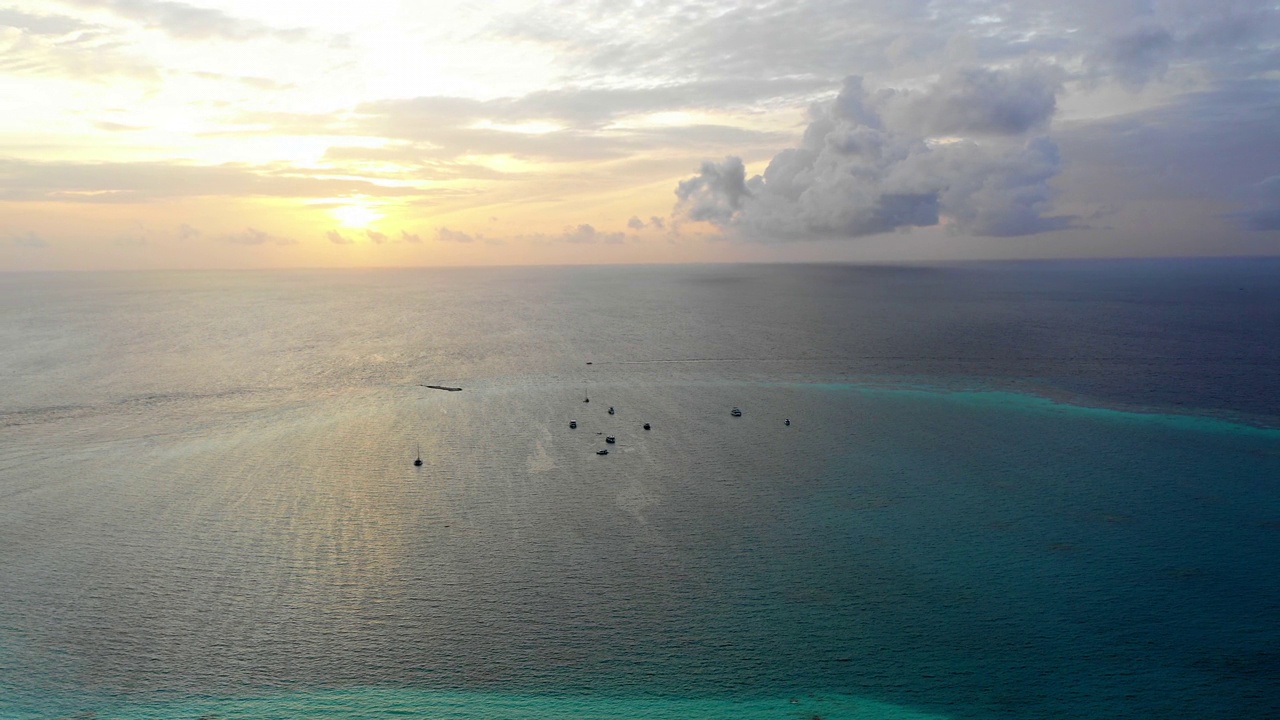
(1007, 490)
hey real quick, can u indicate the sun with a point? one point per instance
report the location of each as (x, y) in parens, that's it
(355, 216)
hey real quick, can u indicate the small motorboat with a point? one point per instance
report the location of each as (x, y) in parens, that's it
(610, 439)
(574, 423)
(787, 422)
(646, 426)
(604, 451)
(735, 412)
(610, 409)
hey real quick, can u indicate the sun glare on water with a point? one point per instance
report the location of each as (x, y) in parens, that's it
(356, 216)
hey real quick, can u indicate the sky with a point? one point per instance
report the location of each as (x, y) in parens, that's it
(153, 134)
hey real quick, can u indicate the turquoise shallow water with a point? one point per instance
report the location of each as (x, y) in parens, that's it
(232, 527)
(938, 554)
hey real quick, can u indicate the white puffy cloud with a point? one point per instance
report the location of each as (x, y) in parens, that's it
(873, 162)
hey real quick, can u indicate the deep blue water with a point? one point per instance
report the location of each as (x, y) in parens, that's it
(1019, 490)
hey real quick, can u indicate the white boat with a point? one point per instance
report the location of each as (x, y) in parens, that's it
(605, 451)
(735, 412)
(573, 423)
(610, 439)
(610, 409)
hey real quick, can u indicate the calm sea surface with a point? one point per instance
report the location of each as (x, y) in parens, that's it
(1023, 490)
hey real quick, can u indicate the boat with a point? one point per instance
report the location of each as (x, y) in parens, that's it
(735, 412)
(586, 398)
(646, 426)
(573, 424)
(787, 422)
(610, 439)
(604, 451)
(610, 409)
(417, 462)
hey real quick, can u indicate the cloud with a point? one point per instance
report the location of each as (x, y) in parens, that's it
(338, 238)
(56, 45)
(253, 236)
(1266, 213)
(406, 236)
(29, 239)
(186, 232)
(587, 235)
(375, 236)
(655, 223)
(40, 24)
(979, 101)
(444, 234)
(868, 165)
(189, 22)
(143, 181)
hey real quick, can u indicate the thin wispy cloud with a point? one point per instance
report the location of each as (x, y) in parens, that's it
(191, 22)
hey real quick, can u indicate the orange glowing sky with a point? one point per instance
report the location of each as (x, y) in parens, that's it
(230, 133)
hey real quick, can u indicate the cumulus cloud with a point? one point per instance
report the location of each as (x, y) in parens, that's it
(979, 101)
(444, 234)
(375, 236)
(338, 238)
(655, 223)
(254, 236)
(587, 235)
(872, 162)
(406, 236)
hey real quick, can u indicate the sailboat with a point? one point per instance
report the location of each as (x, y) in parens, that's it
(417, 462)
